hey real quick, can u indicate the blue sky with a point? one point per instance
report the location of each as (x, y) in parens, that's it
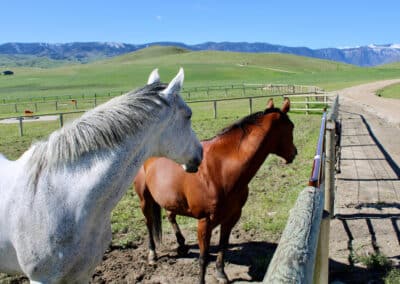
(315, 24)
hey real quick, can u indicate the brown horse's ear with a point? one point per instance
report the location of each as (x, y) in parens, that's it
(286, 105)
(270, 103)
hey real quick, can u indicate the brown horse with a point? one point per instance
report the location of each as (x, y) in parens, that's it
(215, 194)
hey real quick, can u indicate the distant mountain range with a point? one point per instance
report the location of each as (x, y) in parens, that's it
(371, 55)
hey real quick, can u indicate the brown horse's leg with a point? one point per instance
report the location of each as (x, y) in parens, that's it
(226, 229)
(182, 248)
(149, 209)
(204, 236)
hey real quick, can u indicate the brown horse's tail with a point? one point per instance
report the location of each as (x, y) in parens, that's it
(156, 227)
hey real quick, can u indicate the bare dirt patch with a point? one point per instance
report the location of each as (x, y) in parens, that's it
(246, 260)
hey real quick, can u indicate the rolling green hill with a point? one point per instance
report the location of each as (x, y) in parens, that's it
(129, 71)
(11, 61)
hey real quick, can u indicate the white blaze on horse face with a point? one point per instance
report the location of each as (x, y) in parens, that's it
(154, 77)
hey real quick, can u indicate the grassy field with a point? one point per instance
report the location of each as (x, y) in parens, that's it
(205, 68)
(392, 91)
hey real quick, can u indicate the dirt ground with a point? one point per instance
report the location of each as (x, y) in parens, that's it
(248, 254)
(245, 261)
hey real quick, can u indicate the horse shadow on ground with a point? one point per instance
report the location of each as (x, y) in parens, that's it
(256, 255)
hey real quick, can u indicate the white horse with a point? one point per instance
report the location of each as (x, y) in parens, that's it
(56, 199)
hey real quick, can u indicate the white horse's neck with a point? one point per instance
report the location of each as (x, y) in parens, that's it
(109, 174)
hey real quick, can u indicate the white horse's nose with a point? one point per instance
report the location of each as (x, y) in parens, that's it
(193, 165)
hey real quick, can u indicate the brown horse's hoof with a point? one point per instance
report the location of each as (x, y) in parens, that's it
(222, 278)
(152, 258)
(182, 250)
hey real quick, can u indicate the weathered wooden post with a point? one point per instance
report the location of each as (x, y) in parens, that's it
(61, 120)
(215, 109)
(250, 105)
(21, 130)
(307, 105)
(35, 107)
(15, 108)
(294, 258)
(56, 105)
(95, 100)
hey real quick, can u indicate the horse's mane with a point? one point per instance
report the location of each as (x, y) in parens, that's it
(247, 121)
(105, 126)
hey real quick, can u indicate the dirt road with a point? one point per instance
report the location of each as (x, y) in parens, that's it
(367, 203)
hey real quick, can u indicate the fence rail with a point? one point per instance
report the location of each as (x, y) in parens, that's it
(74, 102)
(302, 255)
(314, 103)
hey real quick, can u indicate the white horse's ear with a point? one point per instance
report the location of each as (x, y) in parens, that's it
(154, 77)
(175, 85)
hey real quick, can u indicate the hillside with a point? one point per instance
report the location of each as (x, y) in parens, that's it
(128, 71)
(85, 52)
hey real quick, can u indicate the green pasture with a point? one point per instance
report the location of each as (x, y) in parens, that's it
(202, 68)
(392, 92)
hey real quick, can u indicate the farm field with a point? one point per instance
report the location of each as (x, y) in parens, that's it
(203, 68)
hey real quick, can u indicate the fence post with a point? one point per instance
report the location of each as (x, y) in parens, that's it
(321, 271)
(61, 120)
(330, 166)
(215, 109)
(21, 130)
(56, 105)
(95, 99)
(307, 105)
(250, 105)
(35, 107)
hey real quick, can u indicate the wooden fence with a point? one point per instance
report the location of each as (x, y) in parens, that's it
(305, 103)
(302, 255)
(75, 102)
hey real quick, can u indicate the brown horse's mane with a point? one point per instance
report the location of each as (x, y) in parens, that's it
(245, 122)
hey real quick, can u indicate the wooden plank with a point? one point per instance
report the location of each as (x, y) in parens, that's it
(294, 258)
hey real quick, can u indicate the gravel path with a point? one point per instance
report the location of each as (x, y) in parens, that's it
(367, 201)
